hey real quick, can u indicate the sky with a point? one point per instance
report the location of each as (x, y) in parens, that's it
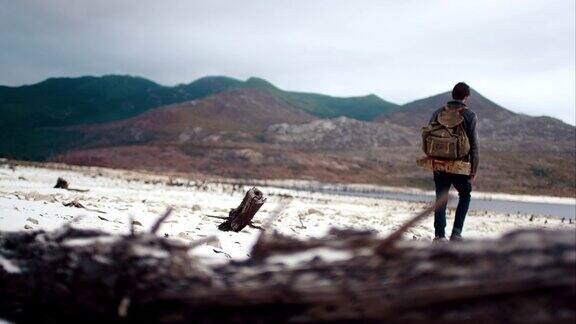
(520, 54)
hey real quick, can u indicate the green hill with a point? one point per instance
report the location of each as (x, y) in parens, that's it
(71, 101)
(362, 108)
(33, 116)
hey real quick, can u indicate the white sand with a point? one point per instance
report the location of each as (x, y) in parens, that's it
(29, 201)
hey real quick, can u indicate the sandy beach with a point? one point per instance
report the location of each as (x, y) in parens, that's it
(28, 201)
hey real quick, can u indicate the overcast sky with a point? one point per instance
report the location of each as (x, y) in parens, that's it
(520, 54)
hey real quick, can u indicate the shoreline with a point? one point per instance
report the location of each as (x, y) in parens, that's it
(310, 185)
(296, 184)
(115, 198)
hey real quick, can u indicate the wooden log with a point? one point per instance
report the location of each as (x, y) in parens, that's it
(240, 217)
(61, 183)
(527, 276)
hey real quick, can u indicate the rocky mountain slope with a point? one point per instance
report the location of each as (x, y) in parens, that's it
(250, 128)
(518, 152)
(34, 116)
(341, 133)
(254, 133)
(237, 114)
(498, 127)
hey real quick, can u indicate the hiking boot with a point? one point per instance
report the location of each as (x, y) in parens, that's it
(455, 237)
(439, 239)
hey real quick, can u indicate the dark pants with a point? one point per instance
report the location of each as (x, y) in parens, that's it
(462, 183)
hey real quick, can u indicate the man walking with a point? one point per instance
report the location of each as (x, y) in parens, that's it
(462, 183)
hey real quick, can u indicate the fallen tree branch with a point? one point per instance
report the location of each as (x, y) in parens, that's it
(218, 217)
(77, 204)
(389, 241)
(49, 276)
(160, 220)
(71, 274)
(252, 225)
(61, 183)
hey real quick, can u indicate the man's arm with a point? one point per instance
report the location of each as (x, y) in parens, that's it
(473, 137)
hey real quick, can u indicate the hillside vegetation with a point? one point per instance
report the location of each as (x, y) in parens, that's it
(33, 116)
(233, 128)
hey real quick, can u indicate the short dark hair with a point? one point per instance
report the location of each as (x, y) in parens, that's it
(461, 90)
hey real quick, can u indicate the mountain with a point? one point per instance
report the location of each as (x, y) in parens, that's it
(87, 100)
(35, 117)
(362, 108)
(417, 113)
(237, 114)
(498, 127)
(340, 133)
(519, 152)
(254, 132)
(228, 127)
(66, 101)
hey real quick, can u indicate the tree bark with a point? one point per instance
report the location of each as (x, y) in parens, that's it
(61, 183)
(240, 217)
(70, 274)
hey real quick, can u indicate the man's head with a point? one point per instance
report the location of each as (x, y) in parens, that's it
(461, 91)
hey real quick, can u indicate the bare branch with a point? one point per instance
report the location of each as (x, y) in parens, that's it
(219, 217)
(267, 224)
(153, 279)
(252, 225)
(160, 220)
(389, 241)
(276, 213)
(132, 229)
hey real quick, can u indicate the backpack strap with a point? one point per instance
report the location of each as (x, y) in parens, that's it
(463, 123)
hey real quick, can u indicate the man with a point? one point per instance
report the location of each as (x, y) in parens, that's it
(462, 183)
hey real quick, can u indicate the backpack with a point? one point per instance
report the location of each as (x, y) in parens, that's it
(445, 138)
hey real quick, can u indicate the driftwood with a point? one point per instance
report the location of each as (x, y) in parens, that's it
(71, 274)
(62, 183)
(77, 204)
(240, 217)
(388, 243)
(73, 203)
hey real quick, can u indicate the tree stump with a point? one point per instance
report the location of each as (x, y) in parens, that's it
(61, 183)
(240, 217)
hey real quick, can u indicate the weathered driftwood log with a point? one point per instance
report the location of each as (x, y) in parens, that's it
(61, 183)
(240, 217)
(77, 275)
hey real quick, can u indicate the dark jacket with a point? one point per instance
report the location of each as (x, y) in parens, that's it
(470, 120)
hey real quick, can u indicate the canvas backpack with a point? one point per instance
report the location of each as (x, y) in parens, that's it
(445, 138)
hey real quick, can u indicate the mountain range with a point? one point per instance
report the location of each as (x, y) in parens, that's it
(228, 127)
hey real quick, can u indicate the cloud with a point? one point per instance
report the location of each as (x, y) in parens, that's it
(520, 54)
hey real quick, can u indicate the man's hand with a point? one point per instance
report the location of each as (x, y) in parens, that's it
(472, 178)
